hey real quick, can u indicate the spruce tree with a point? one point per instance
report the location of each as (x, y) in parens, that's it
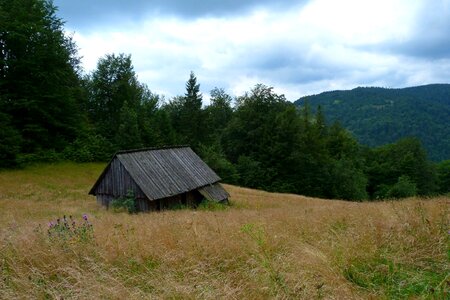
(39, 80)
(193, 96)
(193, 117)
(187, 114)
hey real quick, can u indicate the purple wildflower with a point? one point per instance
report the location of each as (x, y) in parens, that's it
(85, 217)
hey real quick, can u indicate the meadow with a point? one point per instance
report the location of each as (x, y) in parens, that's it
(264, 245)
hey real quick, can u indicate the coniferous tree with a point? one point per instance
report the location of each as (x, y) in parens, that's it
(192, 113)
(39, 80)
(193, 95)
(187, 115)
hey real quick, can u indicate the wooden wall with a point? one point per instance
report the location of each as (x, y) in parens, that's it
(117, 182)
(189, 199)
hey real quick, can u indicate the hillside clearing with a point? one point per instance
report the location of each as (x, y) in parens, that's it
(265, 245)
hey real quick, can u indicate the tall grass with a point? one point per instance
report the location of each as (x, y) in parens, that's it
(264, 246)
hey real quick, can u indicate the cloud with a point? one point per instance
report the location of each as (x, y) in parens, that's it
(88, 14)
(430, 36)
(299, 47)
(426, 33)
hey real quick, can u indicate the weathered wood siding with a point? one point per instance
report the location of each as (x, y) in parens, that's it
(117, 182)
(214, 192)
(104, 199)
(146, 205)
(165, 173)
(190, 199)
(159, 178)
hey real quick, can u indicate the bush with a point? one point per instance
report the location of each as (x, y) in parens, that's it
(89, 148)
(42, 156)
(381, 191)
(404, 187)
(127, 203)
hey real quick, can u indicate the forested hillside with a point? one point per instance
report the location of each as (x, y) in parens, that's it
(377, 116)
(51, 110)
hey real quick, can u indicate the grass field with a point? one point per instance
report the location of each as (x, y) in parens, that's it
(264, 245)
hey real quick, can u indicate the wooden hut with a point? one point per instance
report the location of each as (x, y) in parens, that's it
(159, 178)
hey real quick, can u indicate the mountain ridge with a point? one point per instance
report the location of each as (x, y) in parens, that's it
(378, 116)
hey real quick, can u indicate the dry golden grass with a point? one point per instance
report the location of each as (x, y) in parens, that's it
(265, 245)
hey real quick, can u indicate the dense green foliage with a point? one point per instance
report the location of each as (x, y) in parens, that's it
(278, 148)
(443, 170)
(127, 203)
(398, 166)
(378, 116)
(39, 79)
(49, 111)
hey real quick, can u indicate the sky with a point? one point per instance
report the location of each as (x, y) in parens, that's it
(298, 47)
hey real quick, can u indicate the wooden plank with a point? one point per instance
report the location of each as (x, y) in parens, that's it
(156, 173)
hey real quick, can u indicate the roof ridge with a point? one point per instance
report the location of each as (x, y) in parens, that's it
(150, 149)
(160, 173)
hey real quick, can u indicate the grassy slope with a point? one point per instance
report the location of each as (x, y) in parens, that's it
(266, 245)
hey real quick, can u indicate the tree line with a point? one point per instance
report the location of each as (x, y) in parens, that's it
(51, 110)
(378, 116)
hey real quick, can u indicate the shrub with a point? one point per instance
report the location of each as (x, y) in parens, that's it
(404, 187)
(381, 191)
(48, 156)
(127, 203)
(88, 148)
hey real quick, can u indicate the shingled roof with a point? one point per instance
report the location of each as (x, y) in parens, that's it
(164, 172)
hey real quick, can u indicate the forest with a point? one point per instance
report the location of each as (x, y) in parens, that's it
(378, 116)
(51, 110)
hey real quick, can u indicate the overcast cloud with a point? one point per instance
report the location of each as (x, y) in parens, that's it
(298, 47)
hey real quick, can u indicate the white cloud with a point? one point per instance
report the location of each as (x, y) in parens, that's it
(356, 22)
(307, 49)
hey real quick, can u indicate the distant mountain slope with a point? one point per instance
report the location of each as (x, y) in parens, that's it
(378, 116)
